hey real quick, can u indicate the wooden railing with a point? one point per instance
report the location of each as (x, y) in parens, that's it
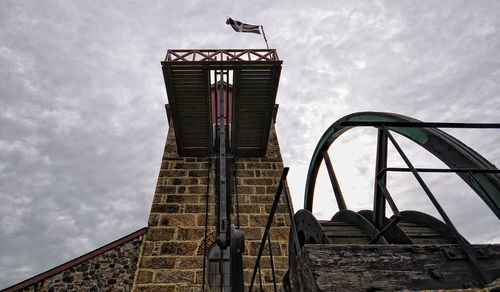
(221, 55)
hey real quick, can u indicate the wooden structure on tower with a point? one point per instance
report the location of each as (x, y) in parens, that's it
(189, 79)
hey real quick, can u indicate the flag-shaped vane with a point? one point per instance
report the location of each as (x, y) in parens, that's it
(243, 27)
(239, 26)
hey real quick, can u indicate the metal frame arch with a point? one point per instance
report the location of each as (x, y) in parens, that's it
(443, 146)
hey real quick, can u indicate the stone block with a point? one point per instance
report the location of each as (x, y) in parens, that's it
(279, 274)
(153, 220)
(187, 263)
(196, 208)
(245, 173)
(258, 181)
(181, 248)
(160, 234)
(155, 288)
(246, 189)
(240, 165)
(182, 199)
(189, 288)
(164, 208)
(271, 173)
(183, 166)
(244, 220)
(176, 220)
(261, 199)
(281, 208)
(203, 181)
(157, 199)
(271, 190)
(165, 189)
(258, 165)
(144, 277)
(280, 262)
(190, 234)
(182, 181)
(261, 190)
(253, 248)
(279, 233)
(164, 165)
(148, 248)
(198, 173)
(158, 262)
(176, 276)
(253, 233)
(200, 220)
(249, 208)
(173, 173)
(197, 190)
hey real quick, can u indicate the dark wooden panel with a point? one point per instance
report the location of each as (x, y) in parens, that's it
(386, 268)
(254, 98)
(255, 85)
(188, 95)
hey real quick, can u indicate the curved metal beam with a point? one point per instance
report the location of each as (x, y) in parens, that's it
(445, 147)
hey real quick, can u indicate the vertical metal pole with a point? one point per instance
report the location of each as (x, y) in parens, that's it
(264, 35)
(221, 270)
(260, 279)
(216, 100)
(206, 225)
(292, 220)
(223, 228)
(380, 164)
(271, 259)
(236, 194)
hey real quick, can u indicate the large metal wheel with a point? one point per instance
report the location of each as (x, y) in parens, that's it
(448, 149)
(407, 227)
(347, 227)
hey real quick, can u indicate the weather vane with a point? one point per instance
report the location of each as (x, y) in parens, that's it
(239, 26)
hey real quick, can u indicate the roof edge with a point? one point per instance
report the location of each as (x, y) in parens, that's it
(76, 261)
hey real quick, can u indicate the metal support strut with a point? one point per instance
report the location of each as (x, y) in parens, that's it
(223, 227)
(381, 163)
(466, 248)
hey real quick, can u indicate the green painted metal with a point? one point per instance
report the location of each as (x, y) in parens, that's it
(416, 134)
(445, 147)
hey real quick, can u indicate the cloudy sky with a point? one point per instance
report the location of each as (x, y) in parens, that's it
(82, 120)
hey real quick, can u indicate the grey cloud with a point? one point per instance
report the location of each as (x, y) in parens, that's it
(82, 123)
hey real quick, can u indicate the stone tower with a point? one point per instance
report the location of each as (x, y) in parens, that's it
(180, 250)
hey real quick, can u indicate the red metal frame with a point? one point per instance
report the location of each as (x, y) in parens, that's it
(193, 55)
(74, 262)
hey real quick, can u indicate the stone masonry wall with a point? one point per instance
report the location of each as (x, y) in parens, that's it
(171, 256)
(113, 270)
(258, 179)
